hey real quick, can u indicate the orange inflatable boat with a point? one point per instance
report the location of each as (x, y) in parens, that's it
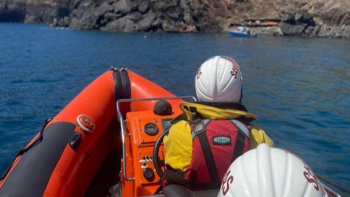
(103, 136)
(106, 141)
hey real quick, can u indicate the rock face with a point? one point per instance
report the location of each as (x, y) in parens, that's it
(140, 15)
(33, 11)
(323, 18)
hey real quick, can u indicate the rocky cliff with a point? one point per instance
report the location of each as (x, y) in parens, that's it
(324, 18)
(140, 15)
(33, 11)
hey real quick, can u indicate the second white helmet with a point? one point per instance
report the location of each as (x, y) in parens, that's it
(219, 79)
(270, 172)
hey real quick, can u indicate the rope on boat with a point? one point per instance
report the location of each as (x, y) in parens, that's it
(24, 150)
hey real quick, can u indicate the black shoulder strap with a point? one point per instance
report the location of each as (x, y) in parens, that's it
(200, 131)
(239, 145)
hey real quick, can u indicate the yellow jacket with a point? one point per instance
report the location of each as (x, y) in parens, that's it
(178, 144)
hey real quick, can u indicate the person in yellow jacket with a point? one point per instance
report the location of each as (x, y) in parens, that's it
(218, 85)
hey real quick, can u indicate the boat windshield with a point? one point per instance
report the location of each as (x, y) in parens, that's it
(242, 28)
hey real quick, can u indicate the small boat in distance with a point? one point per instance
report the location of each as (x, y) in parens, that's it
(243, 32)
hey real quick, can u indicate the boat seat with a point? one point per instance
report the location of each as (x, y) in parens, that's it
(180, 191)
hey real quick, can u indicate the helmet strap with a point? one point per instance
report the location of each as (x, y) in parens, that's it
(240, 99)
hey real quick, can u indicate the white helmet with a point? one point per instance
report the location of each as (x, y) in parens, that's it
(219, 79)
(270, 172)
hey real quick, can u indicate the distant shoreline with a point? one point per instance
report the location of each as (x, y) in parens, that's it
(271, 18)
(323, 31)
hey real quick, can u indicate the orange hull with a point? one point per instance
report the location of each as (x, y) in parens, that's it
(79, 151)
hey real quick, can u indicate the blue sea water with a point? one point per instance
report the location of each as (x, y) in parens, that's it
(298, 87)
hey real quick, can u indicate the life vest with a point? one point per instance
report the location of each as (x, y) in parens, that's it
(215, 145)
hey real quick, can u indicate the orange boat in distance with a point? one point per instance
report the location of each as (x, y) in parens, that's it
(104, 136)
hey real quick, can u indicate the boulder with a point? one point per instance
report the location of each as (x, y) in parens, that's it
(291, 30)
(143, 6)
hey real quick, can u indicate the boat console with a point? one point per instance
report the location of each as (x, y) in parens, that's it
(140, 131)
